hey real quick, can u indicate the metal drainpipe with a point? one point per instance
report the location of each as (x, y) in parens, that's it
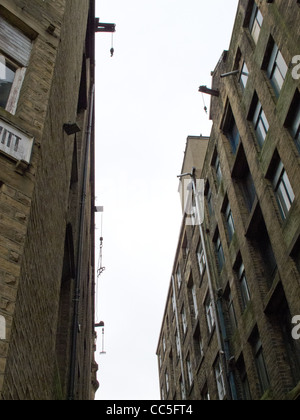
(80, 248)
(211, 289)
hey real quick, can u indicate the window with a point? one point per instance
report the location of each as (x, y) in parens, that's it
(244, 76)
(267, 254)
(164, 344)
(245, 388)
(217, 166)
(205, 393)
(189, 370)
(184, 321)
(201, 258)
(249, 190)
(220, 379)
(167, 382)
(182, 388)
(220, 252)
(242, 173)
(229, 221)
(209, 314)
(243, 286)
(185, 248)
(283, 190)
(230, 129)
(15, 49)
(277, 69)
(234, 136)
(293, 119)
(173, 304)
(257, 232)
(260, 362)
(256, 22)
(195, 301)
(192, 296)
(230, 310)
(198, 344)
(7, 77)
(261, 124)
(178, 276)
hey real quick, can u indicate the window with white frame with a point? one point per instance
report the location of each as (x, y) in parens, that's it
(261, 123)
(195, 304)
(173, 303)
(164, 344)
(178, 276)
(244, 288)
(189, 370)
(220, 252)
(293, 119)
(15, 50)
(182, 389)
(218, 169)
(277, 69)
(198, 344)
(201, 258)
(295, 127)
(167, 382)
(256, 22)
(229, 221)
(220, 379)
(283, 190)
(244, 76)
(184, 320)
(230, 310)
(230, 129)
(209, 314)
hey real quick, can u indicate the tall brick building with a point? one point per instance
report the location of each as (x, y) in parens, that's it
(227, 331)
(47, 206)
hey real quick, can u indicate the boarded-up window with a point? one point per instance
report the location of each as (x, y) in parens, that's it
(15, 49)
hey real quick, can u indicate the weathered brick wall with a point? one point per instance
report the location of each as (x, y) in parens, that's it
(274, 301)
(35, 207)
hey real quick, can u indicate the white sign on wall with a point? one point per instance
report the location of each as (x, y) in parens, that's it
(15, 143)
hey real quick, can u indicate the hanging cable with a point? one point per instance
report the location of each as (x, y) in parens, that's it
(101, 269)
(112, 50)
(205, 107)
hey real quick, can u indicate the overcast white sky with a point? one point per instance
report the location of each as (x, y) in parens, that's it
(147, 103)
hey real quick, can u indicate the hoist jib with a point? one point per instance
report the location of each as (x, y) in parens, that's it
(104, 27)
